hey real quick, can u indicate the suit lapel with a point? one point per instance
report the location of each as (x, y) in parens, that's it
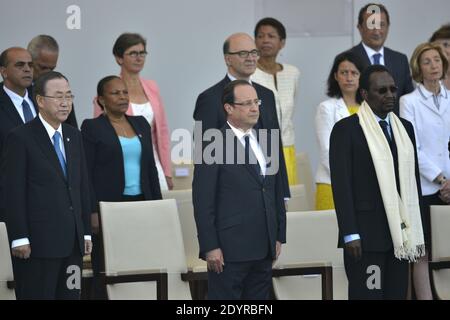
(262, 121)
(342, 110)
(132, 121)
(240, 150)
(428, 101)
(363, 53)
(388, 63)
(30, 90)
(69, 149)
(8, 107)
(43, 140)
(444, 102)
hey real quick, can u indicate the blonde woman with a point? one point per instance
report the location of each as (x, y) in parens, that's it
(428, 109)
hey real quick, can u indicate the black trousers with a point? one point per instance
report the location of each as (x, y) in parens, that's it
(49, 278)
(250, 280)
(377, 276)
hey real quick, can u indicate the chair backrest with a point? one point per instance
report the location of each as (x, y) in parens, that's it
(311, 237)
(305, 177)
(298, 200)
(440, 239)
(188, 227)
(6, 272)
(141, 236)
(182, 175)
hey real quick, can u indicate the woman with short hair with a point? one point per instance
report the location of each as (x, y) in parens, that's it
(428, 109)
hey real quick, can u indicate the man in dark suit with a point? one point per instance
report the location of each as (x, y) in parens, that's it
(366, 228)
(47, 203)
(44, 51)
(238, 205)
(373, 27)
(16, 103)
(240, 55)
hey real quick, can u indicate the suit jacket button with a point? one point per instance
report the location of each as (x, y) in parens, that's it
(71, 208)
(263, 189)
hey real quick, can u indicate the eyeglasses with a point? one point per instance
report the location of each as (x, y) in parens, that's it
(68, 98)
(135, 54)
(248, 103)
(384, 90)
(244, 53)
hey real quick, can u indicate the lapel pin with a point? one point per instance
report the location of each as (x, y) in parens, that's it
(140, 135)
(68, 139)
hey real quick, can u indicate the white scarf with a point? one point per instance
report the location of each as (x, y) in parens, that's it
(403, 211)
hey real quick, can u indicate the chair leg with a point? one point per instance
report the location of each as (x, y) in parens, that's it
(327, 284)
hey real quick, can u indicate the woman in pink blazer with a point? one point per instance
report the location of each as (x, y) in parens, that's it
(145, 100)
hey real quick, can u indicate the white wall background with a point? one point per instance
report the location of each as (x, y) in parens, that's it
(185, 42)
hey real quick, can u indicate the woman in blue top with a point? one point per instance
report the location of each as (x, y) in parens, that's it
(119, 156)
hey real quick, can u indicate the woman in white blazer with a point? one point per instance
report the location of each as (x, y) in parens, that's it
(343, 84)
(428, 109)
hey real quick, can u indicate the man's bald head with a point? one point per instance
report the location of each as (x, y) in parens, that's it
(241, 55)
(16, 68)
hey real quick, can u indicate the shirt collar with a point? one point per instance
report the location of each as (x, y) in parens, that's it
(385, 119)
(370, 52)
(241, 133)
(428, 94)
(50, 130)
(15, 98)
(232, 78)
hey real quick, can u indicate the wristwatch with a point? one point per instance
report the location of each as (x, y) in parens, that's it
(442, 180)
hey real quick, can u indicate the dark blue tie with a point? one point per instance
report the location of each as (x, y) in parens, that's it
(376, 58)
(384, 126)
(27, 114)
(250, 157)
(62, 162)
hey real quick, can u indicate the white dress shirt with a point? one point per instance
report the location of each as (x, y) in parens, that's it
(370, 52)
(430, 116)
(51, 132)
(18, 100)
(232, 78)
(254, 145)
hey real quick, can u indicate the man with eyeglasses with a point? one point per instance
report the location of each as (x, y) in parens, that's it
(376, 191)
(240, 56)
(44, 51)
(238, 205)
(47, 204)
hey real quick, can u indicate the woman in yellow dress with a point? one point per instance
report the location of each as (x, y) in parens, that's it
(343, 84)
(282, 79)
